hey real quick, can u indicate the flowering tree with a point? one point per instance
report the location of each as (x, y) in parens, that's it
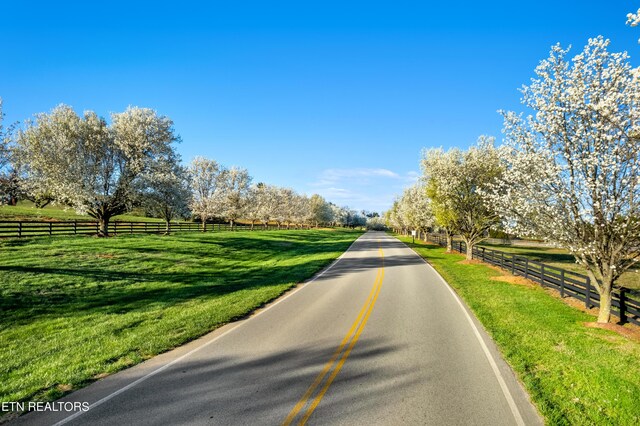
(455, 180)
(207, 185)
(573, 169)
(254, 198)
(165, 190)
(319, 210)
(301, 213)
(415, 208)
(90, 166)
(395, 219)
(235, 189)
(284, 199)
(268, 203)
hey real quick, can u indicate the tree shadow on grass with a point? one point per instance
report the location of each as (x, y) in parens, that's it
(113, 288)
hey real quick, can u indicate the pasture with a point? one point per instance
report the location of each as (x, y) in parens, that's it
(73, 309)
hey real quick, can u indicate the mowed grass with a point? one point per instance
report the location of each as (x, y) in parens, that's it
(560, 258)
(26, 211)
(74, 309)
(575, 375)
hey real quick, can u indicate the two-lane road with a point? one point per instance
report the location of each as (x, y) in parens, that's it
(378, 338)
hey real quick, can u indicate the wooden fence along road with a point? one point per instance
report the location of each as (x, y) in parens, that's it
(42, 228)
(625, 304)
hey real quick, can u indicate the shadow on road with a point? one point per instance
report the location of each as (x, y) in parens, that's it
(257, 390)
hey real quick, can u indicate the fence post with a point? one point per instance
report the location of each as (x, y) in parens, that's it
(483, 254)
(513, 264)
(97, 227)
(587, 301)
(623, 305)
(460, 246)
(526, 267)
(542, 274)
(115, 228)
(502, 259)
(75, 226)
(561, 283)
(50, 228)
(19, 229)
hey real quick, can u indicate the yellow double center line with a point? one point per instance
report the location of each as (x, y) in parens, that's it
(340, 355)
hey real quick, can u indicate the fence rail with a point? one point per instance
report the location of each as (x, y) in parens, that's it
(12, 229)
(625, 303)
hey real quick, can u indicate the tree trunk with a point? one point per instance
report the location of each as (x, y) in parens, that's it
(469, 251)
(449, 243)
(252, 223)
(605, 308)
(231, 224)
(204, 224)
(104, 226)
(604, 314)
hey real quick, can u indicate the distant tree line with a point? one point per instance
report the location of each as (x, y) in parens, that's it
(107, 169)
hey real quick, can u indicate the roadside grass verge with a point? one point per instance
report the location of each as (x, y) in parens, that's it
(73, 309)
(574, 374)
(560, 258)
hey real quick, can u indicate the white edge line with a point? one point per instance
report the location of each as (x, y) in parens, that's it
(204, 345)
(494, 366)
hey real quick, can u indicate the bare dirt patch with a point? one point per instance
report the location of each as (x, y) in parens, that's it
(514, 280)
(471, 262)
(629, 331)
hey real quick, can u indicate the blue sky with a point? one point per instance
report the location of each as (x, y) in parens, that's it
(336, 98)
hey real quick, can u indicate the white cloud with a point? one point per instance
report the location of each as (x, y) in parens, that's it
(370, 189)
(331, 176)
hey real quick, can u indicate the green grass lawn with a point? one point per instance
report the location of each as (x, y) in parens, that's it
(574, 374)
(561, 258)
(25, 210)
(72, 309)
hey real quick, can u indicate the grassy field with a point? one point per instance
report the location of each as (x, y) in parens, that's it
(561, 258)
(73, 309)
(574, 374)
(25, 210)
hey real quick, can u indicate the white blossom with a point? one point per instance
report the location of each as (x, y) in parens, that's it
(90, 166)
(573, 168)
(455, 181)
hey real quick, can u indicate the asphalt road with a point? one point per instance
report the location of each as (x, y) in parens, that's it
(378, 338)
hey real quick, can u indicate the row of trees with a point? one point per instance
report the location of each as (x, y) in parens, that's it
(568, 174)
(228, 193)
(105, 170)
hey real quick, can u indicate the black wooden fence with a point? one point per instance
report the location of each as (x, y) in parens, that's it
(625, 303)
(42, 228)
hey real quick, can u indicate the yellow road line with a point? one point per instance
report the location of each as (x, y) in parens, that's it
(336, 354)
(320, 395)
(357, 327)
